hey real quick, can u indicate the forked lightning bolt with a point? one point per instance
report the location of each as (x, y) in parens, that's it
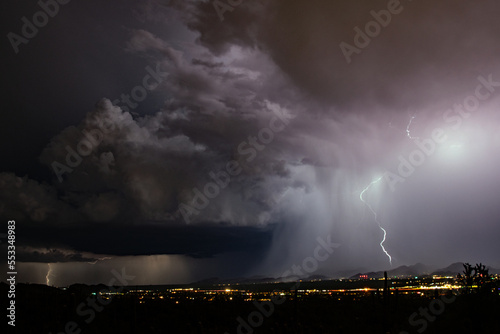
(376, 218)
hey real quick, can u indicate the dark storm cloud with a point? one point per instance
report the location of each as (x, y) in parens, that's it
(154, 163)
(25, 199)
(150, 239)
(427, 52)
(50, 255)
(211, 112)
(222, 82)
(57, 77)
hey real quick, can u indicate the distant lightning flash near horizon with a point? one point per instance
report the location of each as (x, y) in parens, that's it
(376, 217)
(47, 277)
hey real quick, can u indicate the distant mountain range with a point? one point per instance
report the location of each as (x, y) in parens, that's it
(420, 269)
(416, 270)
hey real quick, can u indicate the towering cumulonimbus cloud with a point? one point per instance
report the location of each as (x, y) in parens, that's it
(268, 91)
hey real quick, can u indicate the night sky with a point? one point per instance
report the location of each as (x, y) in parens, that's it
(183, 140)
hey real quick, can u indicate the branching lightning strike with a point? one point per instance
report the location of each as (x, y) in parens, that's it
(376, 217)
(100, 259)
(408, 134)
(408, 128)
